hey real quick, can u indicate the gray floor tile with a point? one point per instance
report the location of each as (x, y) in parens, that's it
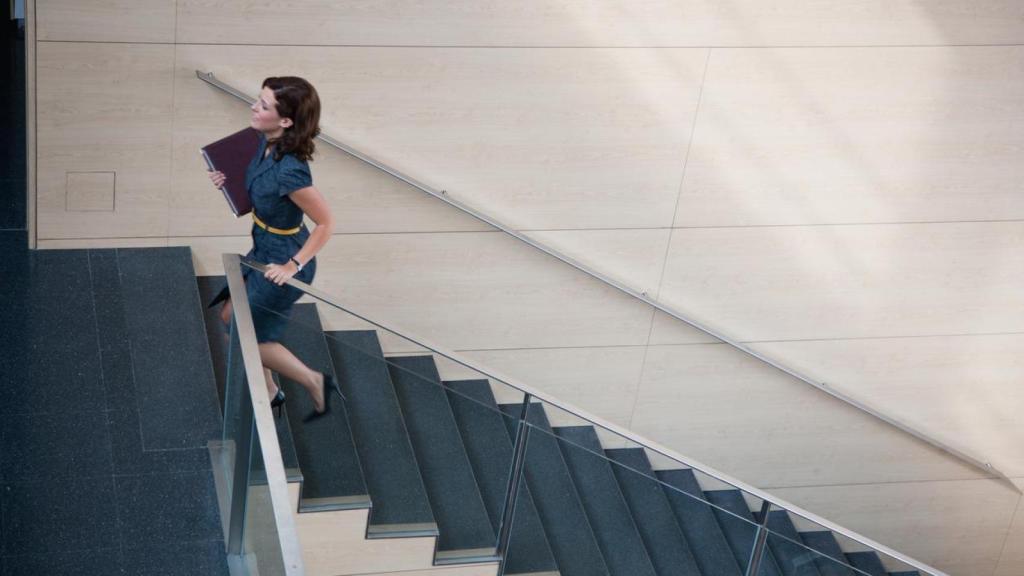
(177, 559)
(56, 515)
(174, 383)
(57, 368)
(103, 562)
(158, 508)
(55, 446)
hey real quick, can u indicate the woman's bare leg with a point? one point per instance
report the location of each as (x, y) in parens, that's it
(225, 312)
(271, 385)
(279, 359)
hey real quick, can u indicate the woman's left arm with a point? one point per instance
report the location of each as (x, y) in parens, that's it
(313, 203)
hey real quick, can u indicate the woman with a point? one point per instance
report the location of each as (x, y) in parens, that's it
(287, 115)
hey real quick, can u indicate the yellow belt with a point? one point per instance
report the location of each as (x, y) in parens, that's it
(273, 230)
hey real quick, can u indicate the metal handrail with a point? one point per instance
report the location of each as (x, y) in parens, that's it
(443, 195)
(262, 420)
(600, 422)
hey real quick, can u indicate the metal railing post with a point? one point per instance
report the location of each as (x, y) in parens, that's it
(754, 566)
(515, 478)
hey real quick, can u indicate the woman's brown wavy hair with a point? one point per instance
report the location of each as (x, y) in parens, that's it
(298, 100)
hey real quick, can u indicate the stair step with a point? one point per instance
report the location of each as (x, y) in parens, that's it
(834, 562)
(561, 512)
(400, 504)
(793, 558)
(609, 516)
(867, 562)
(485, 437)
(667, 547)
(331, 474)
(739, 528)
(466, 533)
(697, 520)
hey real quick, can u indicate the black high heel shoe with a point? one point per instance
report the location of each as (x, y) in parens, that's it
(277, 401)
(329, 386)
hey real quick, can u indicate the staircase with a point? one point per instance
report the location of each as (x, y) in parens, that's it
(408, 476)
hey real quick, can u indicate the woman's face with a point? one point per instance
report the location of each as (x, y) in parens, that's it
(264, 115)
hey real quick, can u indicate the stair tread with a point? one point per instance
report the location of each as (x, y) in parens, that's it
(447, 475)
(572, 541)
(666, 545)
(606, 508)
(833, 563)
(697, 521)
(331, 471)
(740, 529)
(489, 449)
(400, 503)
(868, 562)
(793, 558)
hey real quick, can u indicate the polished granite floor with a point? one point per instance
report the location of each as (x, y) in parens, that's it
(103, 430)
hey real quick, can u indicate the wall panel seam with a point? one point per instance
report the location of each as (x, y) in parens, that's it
(1006, 537)
(567, 47)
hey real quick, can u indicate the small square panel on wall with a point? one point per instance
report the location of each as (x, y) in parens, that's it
(90, 192)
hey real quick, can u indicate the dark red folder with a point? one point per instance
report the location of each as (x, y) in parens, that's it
(231, 155)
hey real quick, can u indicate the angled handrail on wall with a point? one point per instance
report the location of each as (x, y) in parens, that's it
(530, 393)
(443, 195)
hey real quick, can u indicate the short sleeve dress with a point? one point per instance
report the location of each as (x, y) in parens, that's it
(270, 182)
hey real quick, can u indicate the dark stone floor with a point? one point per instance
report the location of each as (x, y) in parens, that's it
(103, 460)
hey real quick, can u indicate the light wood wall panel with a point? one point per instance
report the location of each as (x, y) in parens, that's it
(823, 282)
(825, 136)
(971, 384)
(362, 198)
(958, 527)
(600, 23)
(465, 291)
(106, 20)
(731, 412)
(594, 139)
(104, 107)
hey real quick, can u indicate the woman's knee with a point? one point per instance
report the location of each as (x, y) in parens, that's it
(225, 312)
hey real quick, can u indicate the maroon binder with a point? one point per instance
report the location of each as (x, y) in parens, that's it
(231, 155)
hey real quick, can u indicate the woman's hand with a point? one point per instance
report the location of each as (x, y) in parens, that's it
(280, 273)
(217, 178)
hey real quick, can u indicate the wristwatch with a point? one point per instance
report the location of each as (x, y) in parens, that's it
(297, 263)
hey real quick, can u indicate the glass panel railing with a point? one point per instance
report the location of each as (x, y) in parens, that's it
(798, 541)
(252, 484)
(432, 419)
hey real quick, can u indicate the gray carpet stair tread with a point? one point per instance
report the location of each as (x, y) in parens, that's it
(561, 512)
(910, 573)
(485, 437)
(331, 472)
(217, 336)
(793, 558)
(825, 542)
(697, 521)
(739, 528)
(609, 515)
(400, 503)
(867, 562)
(666, 545)
(447, 475)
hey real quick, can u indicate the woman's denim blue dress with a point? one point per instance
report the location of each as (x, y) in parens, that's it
(269, 183)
